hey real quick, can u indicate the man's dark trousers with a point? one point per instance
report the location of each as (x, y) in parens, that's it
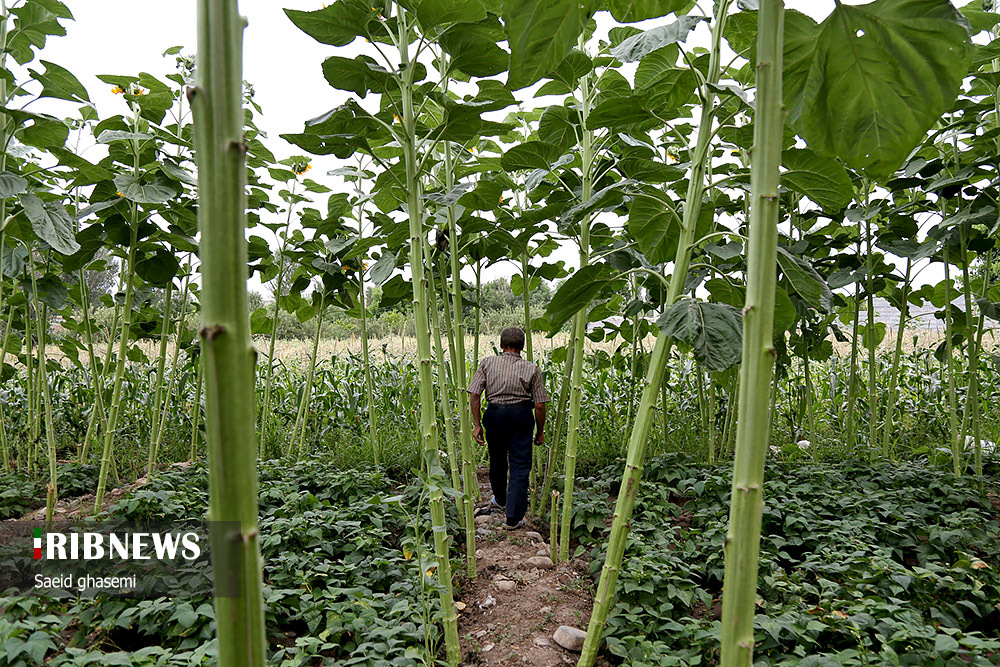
(509, 430)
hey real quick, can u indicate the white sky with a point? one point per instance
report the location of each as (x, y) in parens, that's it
(282, 63)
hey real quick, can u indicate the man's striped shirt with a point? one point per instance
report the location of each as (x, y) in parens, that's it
(509, 379)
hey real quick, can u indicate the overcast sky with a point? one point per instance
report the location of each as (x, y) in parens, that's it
(282, 63)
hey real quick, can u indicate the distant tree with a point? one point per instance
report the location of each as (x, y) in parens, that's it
(254, 300)
(103, 281)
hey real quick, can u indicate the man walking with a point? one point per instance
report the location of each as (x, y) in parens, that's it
(513, 388)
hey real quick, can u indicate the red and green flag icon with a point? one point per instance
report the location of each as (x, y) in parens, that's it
(38, 543)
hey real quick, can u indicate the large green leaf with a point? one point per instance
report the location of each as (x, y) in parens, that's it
(575, 65)
(52, 291)
(576, 292)
(51, 223)
(359, 75)
(664, 86)
(11, 184)
(433, 13)
(38, 130)
(637, 46)
(449, 198)
(822, 179)
(556, 126)
(473, 48)
(784, 312)
(33, 23)
(805, 280)
(540, 34)
(622, 113)
(156, 192)
(462, 122)
(13, 261)
(395, 290)
(337, 24)
(383, 268)
(60, 83)
(109, 136)
(158, 268)
(713, 331)
(530, 155)
(340, 131)
(630, 11)
(652, 222)
(867, 83)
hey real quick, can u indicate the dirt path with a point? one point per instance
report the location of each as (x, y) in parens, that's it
(513, 609)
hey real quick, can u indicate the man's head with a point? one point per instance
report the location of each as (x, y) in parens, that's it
(512, 338)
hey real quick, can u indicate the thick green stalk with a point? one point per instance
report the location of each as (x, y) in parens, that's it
(633, 360)
(297, 446)
(165, 409)
(557, 432)
(703, 409)
(554, 528)
(573, 432)
(972, 391)
(852, 383)
(639, 437)
(100, 416)
(161, 366)
(366, 352)
(479, 312)
(116, 391)
(976, 423)
(92, 365)
(897, 353)
(3, 350)
(742, 543)
(872, 361)
(52, 490)
(199, 383)
(711, 420)
(526, 298)
(956, 448)
(265, 413)
(229, 356)
(810, 402)
(3, 428)
(428, 431)
(444, 396)
(587, 156)
(29, 351)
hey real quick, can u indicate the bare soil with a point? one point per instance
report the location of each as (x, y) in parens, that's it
(515, 627)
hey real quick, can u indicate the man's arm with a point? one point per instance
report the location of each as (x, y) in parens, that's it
(476, 388)
(539, 423)
(476, 403)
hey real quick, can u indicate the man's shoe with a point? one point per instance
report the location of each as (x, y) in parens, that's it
(520, 524)
(490, 508)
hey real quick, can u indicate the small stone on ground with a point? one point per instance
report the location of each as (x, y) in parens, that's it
(570, 638)
(532, 535)
(542, 562)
